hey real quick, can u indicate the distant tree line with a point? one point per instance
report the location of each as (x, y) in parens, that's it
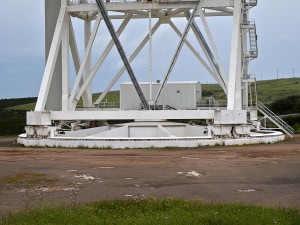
(287, 105)
(5, 103)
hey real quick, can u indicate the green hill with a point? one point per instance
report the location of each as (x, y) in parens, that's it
(268, 91)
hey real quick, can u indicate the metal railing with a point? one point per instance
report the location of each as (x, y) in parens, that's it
(251, 2)
(275, 119)
(76, 2)
(108, 105)
(211, 105)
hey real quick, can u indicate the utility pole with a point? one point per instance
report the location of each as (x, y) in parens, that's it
(277, 74)
(293, 72)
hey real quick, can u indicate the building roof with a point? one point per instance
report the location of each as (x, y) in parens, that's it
(169, 82)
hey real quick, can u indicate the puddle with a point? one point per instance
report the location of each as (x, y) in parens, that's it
(184, 157)
(129, 178)
(71, 170)
(191, 174)
(42, 189)
(85, 176)
(247, 190)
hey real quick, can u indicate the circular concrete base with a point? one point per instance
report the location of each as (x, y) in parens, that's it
(258, 137)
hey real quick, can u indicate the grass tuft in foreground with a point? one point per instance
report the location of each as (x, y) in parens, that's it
(152, 211)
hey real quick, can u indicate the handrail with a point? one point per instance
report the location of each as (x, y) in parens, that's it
(275, 119)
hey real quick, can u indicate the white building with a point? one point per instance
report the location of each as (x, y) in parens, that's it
(178, 95)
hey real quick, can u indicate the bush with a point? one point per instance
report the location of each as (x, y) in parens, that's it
(12, 122)
(288, 105)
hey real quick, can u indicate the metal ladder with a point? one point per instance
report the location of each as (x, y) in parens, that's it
(122, 54)
(275, 119)
(251, 3)
(250, 27)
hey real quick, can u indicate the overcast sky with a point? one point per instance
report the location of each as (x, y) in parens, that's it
(22, 47)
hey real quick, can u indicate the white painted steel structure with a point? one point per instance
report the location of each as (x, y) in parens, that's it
(57, 100)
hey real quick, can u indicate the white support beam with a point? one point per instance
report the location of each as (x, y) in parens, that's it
(118, 6)
(77, 62)
(206, 50)
(214, 48)
(87, 37)
(179, 15)
(177, 51)
(234, 97)
(85, 63)
(131, 58)
(100, 61)
(132, 115)
(189, 45)
(50, 65)
(66, 67)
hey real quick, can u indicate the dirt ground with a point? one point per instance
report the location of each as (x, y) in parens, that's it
(256, 174)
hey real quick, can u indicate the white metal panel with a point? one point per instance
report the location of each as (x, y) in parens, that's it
(132, 115)
(230, 117)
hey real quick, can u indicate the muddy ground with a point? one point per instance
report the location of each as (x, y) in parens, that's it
(257, 174)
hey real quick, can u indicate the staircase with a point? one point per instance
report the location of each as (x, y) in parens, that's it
(275, 119)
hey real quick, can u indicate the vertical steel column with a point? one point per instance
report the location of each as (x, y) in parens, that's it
(53, 101)
(65, 44)
(48, 82)
(150, 60)
(234, 96)
(245, 63)
(87, 69)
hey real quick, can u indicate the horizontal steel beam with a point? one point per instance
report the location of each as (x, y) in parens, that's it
(117, 6)
(128, 115)
(133, 115)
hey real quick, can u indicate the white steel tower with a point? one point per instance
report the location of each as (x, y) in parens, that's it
(58, 121)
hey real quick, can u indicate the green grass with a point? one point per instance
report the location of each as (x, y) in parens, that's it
(267, 90)
(153, 211)
(26, 107)
(271, 90)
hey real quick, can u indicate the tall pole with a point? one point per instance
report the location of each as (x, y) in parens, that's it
(293, 72)
(150, 60)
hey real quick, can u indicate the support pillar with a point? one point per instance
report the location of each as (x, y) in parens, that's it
(235, 72)
(52, 8)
